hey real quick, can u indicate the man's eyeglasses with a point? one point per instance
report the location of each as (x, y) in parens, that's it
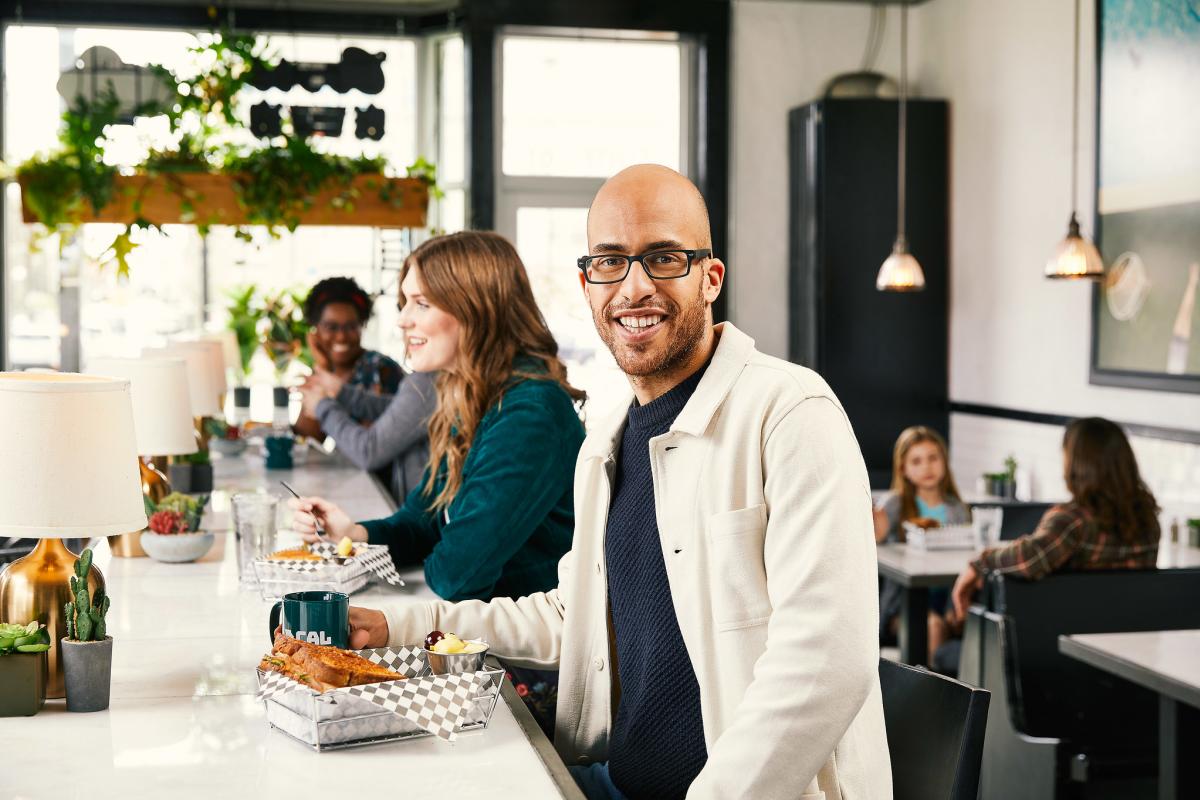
(333, 328)
(660, 265)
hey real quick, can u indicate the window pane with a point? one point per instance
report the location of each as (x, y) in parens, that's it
(164, 295)
(452, 117)
(452, 211)
(549, 240)
(616, 103)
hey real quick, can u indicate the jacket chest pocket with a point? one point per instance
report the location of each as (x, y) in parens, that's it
(738, 573)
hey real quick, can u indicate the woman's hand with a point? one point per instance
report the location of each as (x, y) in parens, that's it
(320, 357)
(968, 583)
(368, 628)
(335, 522)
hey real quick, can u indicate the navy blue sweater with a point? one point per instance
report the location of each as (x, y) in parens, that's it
(657, 746)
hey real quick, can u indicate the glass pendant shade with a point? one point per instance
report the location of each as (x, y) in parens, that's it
(1075, 257)
(900, 272)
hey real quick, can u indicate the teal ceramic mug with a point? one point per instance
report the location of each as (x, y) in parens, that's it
(316, 617)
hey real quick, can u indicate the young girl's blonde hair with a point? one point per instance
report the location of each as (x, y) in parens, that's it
(901, 485)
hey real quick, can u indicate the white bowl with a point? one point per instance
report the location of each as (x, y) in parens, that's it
(228, 447)
(176, 548)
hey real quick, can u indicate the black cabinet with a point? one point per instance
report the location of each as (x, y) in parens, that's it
(884, 354)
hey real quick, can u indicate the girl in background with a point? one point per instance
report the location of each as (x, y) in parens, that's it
(922, 488)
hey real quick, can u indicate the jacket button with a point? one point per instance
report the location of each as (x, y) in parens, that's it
(598, 664)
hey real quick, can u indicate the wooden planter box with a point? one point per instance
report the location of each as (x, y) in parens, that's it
(214, 201)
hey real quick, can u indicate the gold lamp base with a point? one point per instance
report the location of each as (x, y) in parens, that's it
(155, 486)
(38, 586)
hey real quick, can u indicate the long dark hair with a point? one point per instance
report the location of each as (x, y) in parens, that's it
(1102, 476)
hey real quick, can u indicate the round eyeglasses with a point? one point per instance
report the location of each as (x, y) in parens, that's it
(660, 265)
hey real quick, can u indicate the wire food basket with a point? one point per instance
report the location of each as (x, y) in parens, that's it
(423, 705)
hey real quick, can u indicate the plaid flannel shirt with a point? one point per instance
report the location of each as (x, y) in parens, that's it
(1068, 540)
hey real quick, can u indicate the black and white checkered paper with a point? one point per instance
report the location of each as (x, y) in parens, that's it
(373, 558)
(438, 704)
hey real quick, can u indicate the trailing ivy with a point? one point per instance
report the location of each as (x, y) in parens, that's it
(274, 183)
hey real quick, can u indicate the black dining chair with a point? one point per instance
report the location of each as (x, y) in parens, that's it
(935, 728)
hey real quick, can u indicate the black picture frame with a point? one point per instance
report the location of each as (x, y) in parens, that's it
(1097, 374)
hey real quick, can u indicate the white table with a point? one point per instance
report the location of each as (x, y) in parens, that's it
(183, 721)
(1167, 662)
(917, 571)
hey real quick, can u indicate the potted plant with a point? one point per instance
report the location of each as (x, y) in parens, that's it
(173, 534)
(87, 649)
(22, 668)
(192, 472)
(1003, 484)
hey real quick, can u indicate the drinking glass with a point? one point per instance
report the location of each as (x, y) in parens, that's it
(254, 526)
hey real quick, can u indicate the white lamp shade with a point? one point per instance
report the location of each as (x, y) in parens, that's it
(202, 385)
(69, 466)
(162, 407)
(215, 356)
(900, 273)
(229, 349)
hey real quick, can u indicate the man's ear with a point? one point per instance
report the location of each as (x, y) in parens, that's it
(714, 279)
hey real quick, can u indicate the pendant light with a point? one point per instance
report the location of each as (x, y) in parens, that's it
(1075, 256)
(901, 272)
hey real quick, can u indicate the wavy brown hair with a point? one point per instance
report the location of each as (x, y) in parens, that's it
(905, 488)
(478, 278)
(1102, 475)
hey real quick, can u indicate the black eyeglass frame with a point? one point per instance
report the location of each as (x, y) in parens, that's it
(692, 257)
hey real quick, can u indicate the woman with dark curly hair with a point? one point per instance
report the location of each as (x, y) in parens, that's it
(375, 412)
(337, 309)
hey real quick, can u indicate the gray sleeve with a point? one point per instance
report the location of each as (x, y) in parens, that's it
(363, 405)
(890, 505)
(401, 425)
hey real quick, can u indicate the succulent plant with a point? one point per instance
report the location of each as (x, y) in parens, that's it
(28, 638)
(85, 614)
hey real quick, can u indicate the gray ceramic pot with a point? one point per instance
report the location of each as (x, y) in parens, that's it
(87, 667)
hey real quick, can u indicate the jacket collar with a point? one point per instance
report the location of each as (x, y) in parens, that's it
(734, 349)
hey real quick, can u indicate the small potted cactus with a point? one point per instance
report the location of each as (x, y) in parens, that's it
(22, 668)
(87, 650)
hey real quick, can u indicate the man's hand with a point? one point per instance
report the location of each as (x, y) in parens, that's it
(368, 628)
(968, 583)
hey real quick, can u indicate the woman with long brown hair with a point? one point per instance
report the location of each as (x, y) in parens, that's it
(494, 513)
(1111, 521)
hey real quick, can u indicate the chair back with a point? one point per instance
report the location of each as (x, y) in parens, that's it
(1054, 695)
(935, 728)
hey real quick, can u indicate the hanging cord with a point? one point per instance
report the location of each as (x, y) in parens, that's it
(900, 237)
(875, 36)
(1075, 117)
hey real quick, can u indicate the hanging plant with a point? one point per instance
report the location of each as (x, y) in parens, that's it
(273, 185)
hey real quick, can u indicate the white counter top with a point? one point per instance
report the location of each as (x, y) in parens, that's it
(183, 721)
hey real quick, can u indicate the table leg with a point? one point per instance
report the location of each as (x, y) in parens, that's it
(1178, 742)
(914, 625)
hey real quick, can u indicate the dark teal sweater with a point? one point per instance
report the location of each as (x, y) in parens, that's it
(513, 516)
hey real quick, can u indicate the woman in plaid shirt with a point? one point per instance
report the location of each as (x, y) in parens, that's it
(1110, 523)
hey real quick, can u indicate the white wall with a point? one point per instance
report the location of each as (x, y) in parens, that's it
(1017, 339)
(783, 54)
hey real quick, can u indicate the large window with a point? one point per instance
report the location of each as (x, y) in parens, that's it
(64, 310)
(617, 101)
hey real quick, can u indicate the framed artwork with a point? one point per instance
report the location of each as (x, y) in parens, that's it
(1146, 314)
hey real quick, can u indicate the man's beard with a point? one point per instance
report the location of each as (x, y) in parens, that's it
(685, 330)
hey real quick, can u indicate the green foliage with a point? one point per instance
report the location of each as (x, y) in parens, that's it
(31, 637)
(272, 321)
(86, 614)
(188, 506)
(275, 183)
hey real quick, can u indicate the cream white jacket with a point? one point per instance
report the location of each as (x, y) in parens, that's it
(764, 510)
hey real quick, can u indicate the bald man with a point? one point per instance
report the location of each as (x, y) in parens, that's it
(715, 622)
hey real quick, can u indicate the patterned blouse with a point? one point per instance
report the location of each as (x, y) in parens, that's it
(376, 373)
(1069, 540)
